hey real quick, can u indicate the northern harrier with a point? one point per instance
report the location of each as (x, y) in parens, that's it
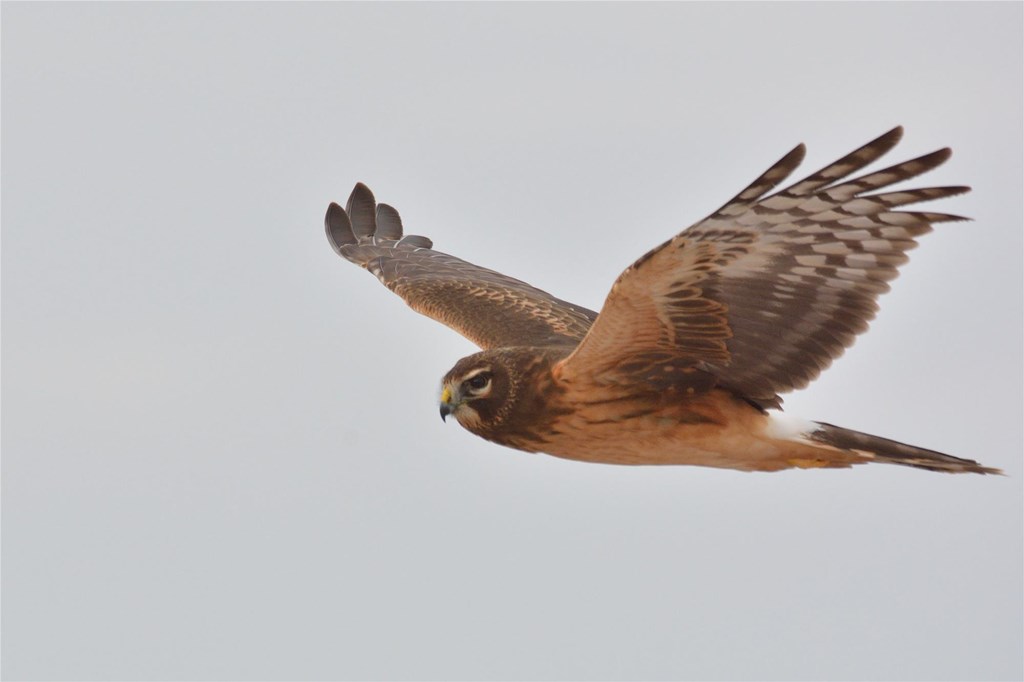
(696, 339)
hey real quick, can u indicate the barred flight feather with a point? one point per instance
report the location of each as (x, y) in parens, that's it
(795, 275)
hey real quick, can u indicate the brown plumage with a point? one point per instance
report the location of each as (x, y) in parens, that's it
(695, 341)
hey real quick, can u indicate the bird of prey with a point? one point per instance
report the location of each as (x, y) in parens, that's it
(696, 340)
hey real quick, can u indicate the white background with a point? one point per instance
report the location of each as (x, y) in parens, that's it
(222, 457)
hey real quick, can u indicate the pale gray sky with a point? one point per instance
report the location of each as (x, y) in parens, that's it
(222, 457)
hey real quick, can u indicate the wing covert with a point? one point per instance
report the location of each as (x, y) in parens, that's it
(490, 309)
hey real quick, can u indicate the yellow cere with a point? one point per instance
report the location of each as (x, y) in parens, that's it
(446, 395)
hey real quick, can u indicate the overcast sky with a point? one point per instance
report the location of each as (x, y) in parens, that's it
(222, 457)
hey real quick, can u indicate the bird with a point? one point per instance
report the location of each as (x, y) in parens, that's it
(697, 339)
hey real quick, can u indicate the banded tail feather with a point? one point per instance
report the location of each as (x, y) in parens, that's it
(878, 449)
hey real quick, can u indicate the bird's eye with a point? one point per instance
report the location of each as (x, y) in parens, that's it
(479, 382)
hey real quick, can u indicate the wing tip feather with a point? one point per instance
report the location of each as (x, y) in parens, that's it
(338, 227)
(362, 211)
(364, 222)
(894, 135)
(794, 158)
(389, 223)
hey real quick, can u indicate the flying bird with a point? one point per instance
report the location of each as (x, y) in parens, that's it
(696, 340)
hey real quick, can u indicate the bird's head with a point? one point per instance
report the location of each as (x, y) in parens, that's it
(506, 395)
(477, 391)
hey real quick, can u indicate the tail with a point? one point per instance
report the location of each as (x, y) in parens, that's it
(877, 449)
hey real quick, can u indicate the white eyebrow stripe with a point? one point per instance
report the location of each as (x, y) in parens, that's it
(479, 370)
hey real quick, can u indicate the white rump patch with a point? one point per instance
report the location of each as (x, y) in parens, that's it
(784, 426)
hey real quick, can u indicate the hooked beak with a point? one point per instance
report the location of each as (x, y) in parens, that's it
(446, 402)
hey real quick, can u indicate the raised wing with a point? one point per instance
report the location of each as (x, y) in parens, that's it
(764, 294)
(488, 308)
